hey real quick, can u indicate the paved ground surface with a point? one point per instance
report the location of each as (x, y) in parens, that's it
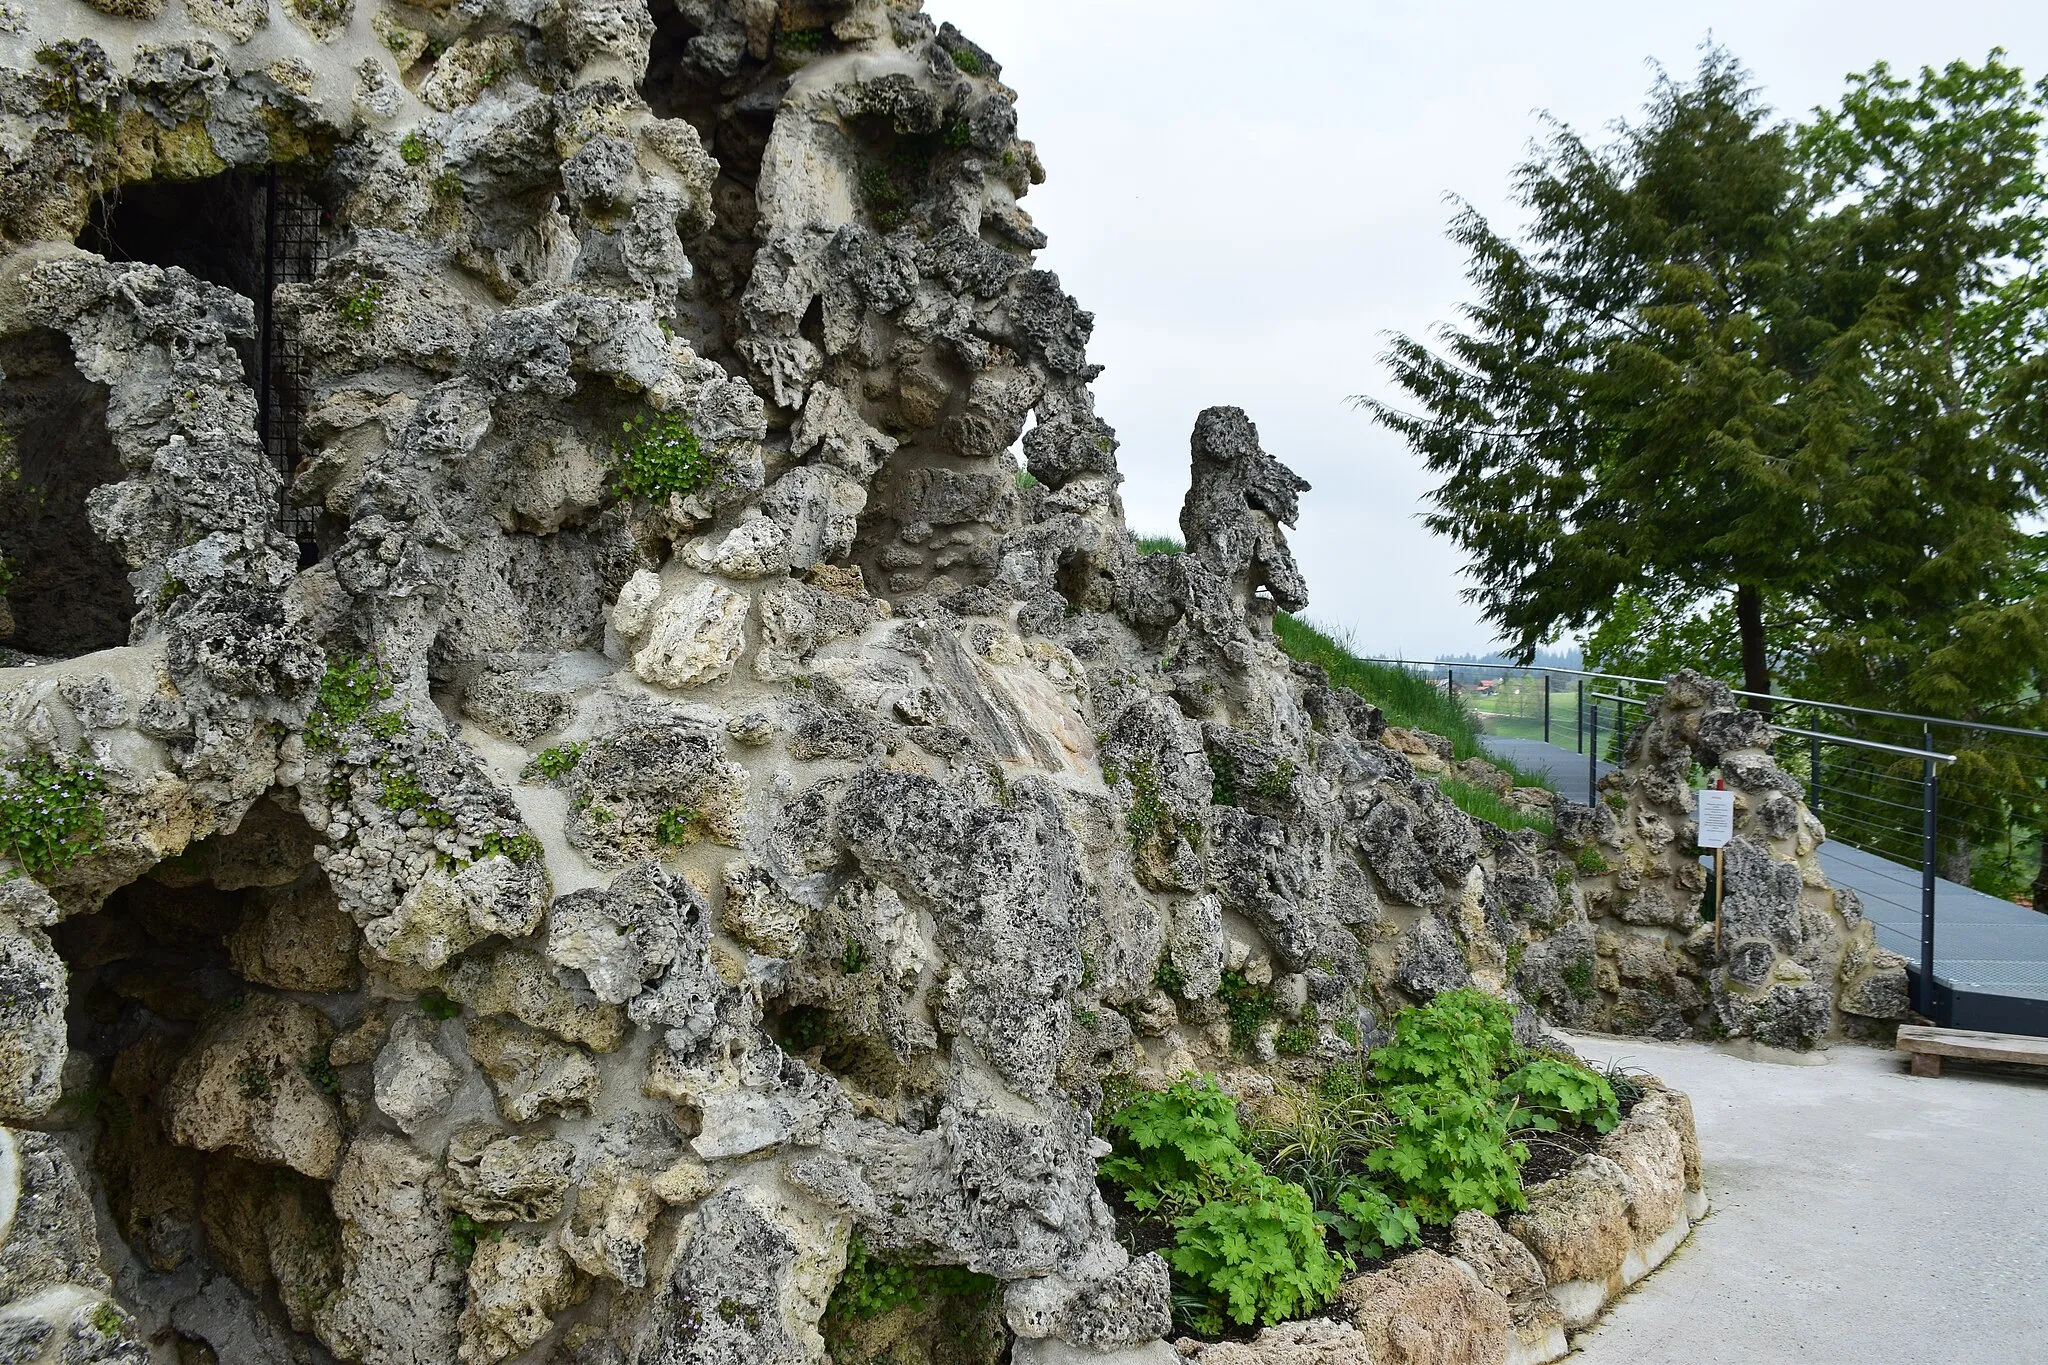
(1860, 1215)
(1981, 943)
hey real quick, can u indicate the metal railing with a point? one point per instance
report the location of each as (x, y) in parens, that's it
(1873, 776)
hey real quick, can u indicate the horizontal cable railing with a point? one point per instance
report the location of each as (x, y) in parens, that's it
(1869, 774)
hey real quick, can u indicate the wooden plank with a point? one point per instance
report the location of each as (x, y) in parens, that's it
(1973, 1045)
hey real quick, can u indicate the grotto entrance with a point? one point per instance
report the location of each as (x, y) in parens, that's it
(248, 232)
(202, 1006)
(66, 591)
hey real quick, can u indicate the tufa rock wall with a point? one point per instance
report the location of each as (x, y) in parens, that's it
(1794, 962)
(617, 788)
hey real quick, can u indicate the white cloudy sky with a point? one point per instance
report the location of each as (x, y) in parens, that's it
(1249, 196)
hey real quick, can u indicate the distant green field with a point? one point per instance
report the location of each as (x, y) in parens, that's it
(1405, 697)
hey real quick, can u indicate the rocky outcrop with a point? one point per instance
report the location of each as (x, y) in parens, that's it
(1793, 961)
(573, 771)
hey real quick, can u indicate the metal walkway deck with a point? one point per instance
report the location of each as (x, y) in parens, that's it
(1990, 956)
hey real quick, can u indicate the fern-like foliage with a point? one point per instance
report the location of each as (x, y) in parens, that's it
(1553, 1092)
(1176, 1147)
(1258, 1256)
(1460, 1039)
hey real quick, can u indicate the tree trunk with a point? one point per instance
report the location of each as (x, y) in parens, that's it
(2041, 878)
(1756, 667)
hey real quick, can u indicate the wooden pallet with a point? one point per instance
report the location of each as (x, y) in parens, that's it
(1928, 1046)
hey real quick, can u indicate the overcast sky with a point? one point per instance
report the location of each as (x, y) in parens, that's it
(1249, 197)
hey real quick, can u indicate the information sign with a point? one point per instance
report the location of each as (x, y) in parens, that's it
(1716, 817)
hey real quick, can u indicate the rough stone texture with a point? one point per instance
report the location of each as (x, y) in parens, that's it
(1316, 1341)
(671, 880)
(243, 1088)
(517, 1283)
(1795, 956)
(398, 1300)
(1502, 1264)
(1577, 1225)
(1427, 1309)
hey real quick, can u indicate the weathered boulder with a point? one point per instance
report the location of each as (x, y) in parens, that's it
(1427, 1309)
(243, 1087)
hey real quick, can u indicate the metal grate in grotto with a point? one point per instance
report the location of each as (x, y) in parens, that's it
(293, 252)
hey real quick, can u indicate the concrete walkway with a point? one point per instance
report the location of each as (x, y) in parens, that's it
(1860, 1216)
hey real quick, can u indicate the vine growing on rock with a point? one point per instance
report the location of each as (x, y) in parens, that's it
(51, 810)
(349, 691)
(658, 455)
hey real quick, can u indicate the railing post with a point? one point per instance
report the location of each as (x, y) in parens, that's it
(1546, 708)
(1579, 725)
(1813, 774)
(1593, 757)
(1929, 799)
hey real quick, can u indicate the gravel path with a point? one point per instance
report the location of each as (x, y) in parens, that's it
(1859, 1215)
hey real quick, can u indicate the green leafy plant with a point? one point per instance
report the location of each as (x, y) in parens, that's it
(1450, 1152)
(253, 1082)
(322, 1074)
(1302, 1038)
(803, 42)
(871, 1286)
(1222, 779)
(464, 1232)
(1161, 545)
(1591, 861)
(1247, 1244)
(1487, 804)
(965, 58)
(853, 958)
(1277, 782)
(1554, 1092)
(436, 1005)
(1319, 1136)
(358, 301)
(1369, 1224)
(51, 810)
(552, 764)
(672, 827)
(1175, 1148)
(400, 790)
(1248, 1006)
(1578, 977)
(1149, 814)
(349, 689)
(108, 1320)
(1168, 977)
(658, 455)
(414, 149)
(520, 848)
(1459, 1039)
(1258, 1256)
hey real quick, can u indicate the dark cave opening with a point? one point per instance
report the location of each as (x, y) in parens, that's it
(66, 591)
(204, 986)
(246, 231)
(213, 228)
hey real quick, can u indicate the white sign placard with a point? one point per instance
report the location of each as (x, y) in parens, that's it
(1716, 817)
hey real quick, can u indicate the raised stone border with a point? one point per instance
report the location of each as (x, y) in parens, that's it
(1512, 1291)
